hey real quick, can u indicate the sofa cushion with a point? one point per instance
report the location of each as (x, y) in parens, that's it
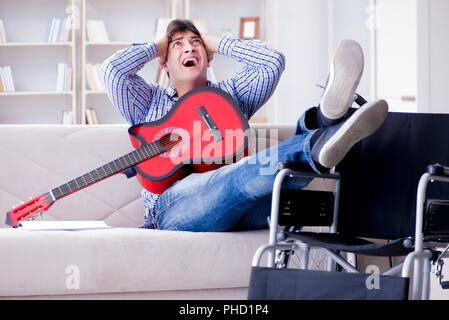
(39, 158)
(124, 260)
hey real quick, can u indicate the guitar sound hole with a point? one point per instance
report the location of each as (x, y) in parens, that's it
(169, 141)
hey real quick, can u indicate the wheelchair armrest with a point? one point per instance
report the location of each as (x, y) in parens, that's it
(298, 171)
(438, 170)
(287, 169)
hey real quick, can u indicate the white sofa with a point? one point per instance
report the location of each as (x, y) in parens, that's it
(123, 261)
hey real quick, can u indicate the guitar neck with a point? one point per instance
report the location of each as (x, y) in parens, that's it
(117, 166)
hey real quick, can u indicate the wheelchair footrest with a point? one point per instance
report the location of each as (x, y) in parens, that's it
(296, 284)
(337, 242)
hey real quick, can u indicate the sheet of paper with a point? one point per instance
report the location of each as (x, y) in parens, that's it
(62, 225)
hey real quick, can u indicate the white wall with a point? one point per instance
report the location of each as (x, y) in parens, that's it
(413, 46)
(302, 37)
(397, 61)
(439, 56)
(351, 21)
(306, 39)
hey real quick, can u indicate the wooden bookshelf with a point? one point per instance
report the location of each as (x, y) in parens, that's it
(108, 44)
(37, 44)
(34, 62)
(37, 93)
(133, 23)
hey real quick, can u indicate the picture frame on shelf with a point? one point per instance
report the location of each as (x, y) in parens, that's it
(249, 27)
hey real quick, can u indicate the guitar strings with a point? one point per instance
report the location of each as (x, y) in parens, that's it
(170, 144)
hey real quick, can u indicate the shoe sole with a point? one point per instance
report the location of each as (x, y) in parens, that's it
(345, 72)
(360, 125)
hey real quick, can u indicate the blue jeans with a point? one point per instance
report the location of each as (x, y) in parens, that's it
(236, 196)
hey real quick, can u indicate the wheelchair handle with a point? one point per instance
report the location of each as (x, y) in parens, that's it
(438, 170)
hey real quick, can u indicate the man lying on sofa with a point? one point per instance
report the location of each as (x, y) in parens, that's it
(236, 196)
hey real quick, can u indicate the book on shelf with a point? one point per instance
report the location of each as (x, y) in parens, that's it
(64, 80)
(94, 78)
(67, 117)
(59, 30)
(50, 32)
(7, 79)
(96, 31)
(2, 32)
(54, 30)
(90, 77)
(95, 116)
(10, 79)
(2, 80)
(98, 77)
(60, 78)
(91, 116)
(68, 79)
(65, 31)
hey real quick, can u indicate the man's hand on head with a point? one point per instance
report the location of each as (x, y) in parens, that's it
(162, 47)
(211, 45)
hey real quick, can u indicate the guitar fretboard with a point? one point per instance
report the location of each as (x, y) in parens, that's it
(119, 165)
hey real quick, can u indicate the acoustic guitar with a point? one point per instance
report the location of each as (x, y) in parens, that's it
(203, 131)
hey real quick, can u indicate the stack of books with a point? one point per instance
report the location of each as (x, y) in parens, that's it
(6, 80)
(2, 32)
(91, 116)
(67, 117)
(64, 81)
(94, 78)
(59, 30)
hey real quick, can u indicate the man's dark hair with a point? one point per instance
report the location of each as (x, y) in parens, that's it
(180, 25)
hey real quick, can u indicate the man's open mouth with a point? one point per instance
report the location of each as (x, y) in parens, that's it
(190, 62)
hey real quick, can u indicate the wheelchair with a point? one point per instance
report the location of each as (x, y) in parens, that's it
(389, 199)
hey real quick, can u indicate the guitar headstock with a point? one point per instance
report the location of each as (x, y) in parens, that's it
(29, 209)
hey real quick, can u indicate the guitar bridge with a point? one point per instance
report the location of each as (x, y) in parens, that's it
(210, 123)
